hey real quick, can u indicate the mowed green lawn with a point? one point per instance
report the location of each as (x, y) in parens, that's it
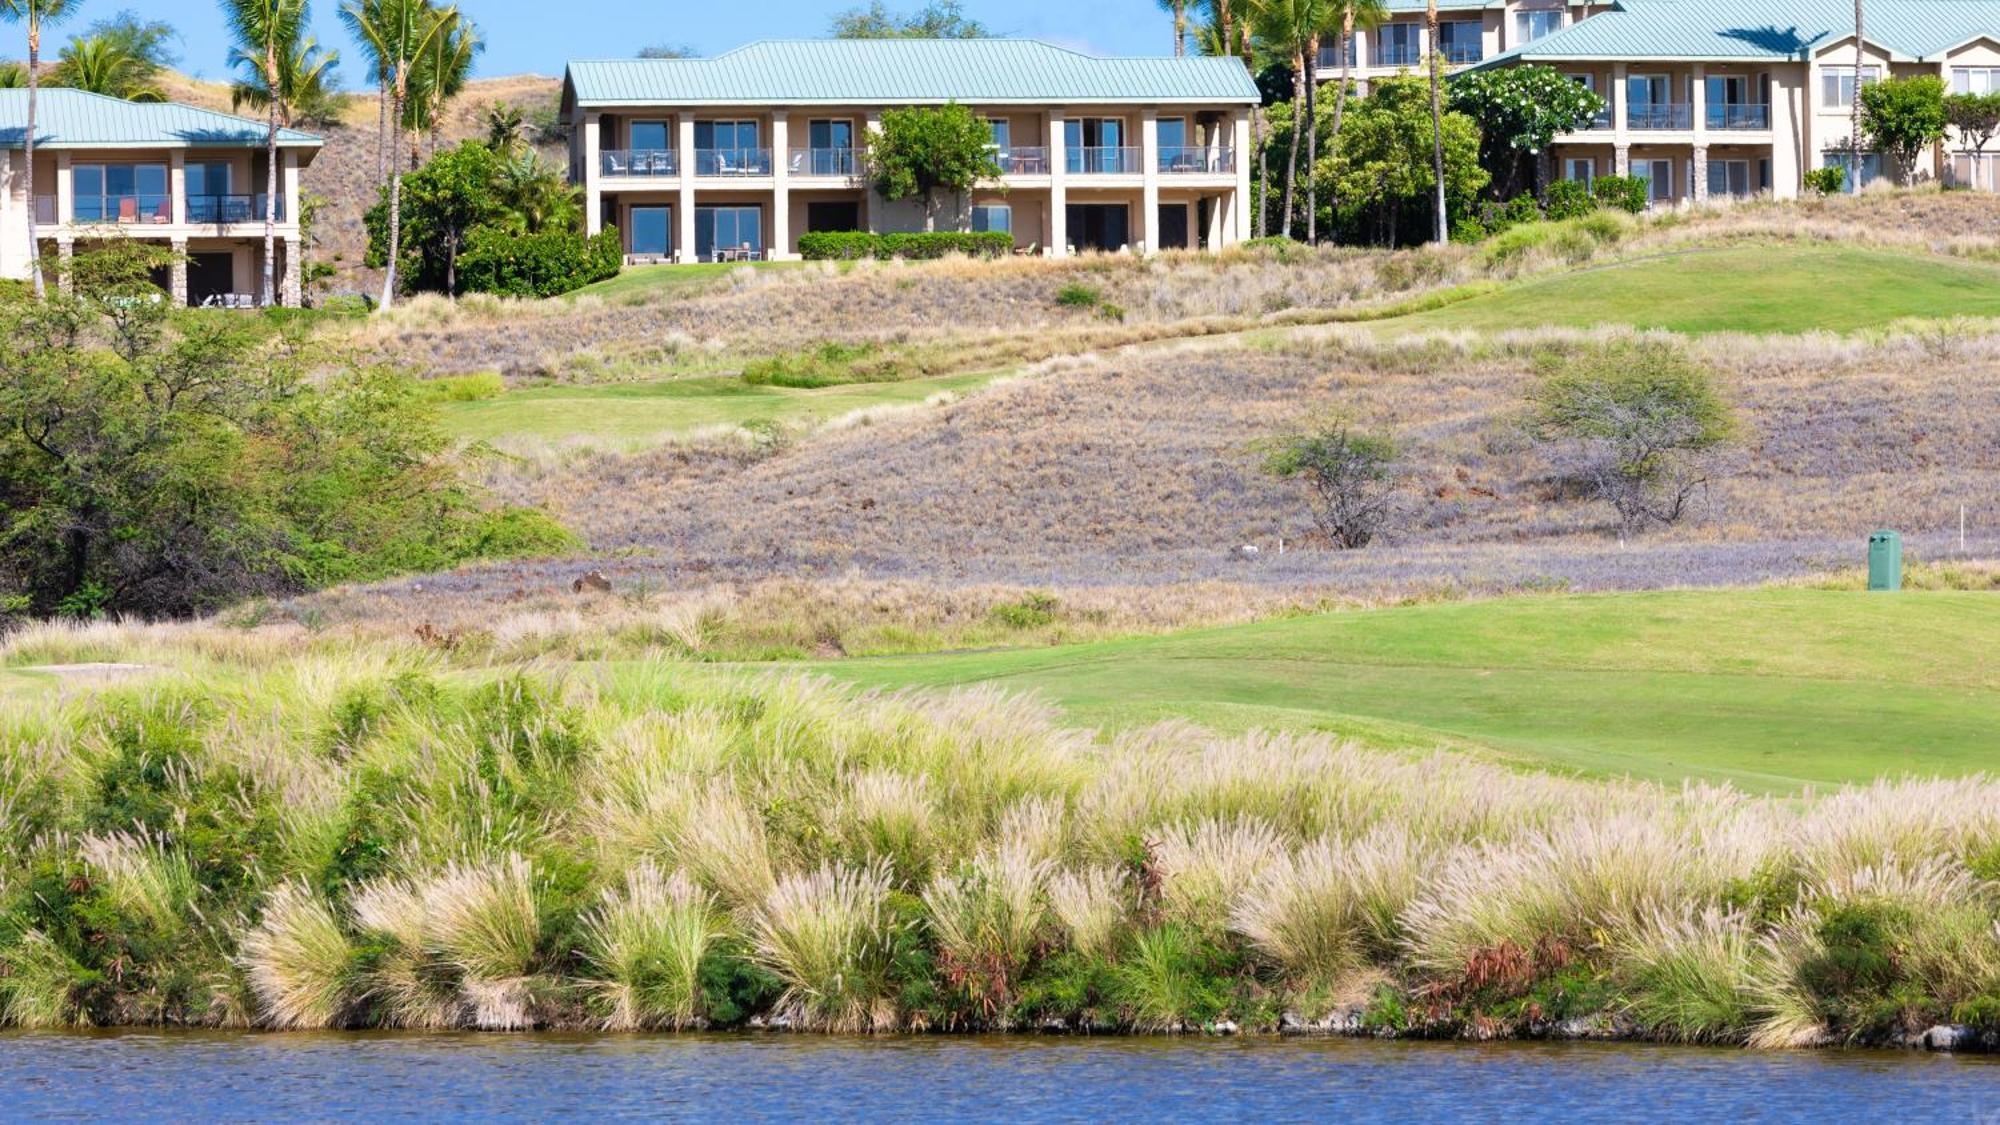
(1756, 289)
(636, 414)
(674, 280)
(1770, 689)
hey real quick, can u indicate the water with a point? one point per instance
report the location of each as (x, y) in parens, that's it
(235, 1076)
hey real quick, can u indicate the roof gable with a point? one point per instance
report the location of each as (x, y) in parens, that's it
(66, 118)
(906, 72)
(1906, 30)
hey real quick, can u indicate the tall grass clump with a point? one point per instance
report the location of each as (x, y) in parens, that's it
(828, 934)
(299, 960)
(648, 940)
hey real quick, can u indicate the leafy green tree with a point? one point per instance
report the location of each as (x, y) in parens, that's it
(398, 34)
(36, 14)
(1901, 117)
(440, 204)
(266, 31)
(668, 51)
(939, 19)
(1975, 117)
(1382, 171)
(1368, 14)
(1353, 476)
(1636, 420)
(536, 197)
(1520, 111)
(158, 462)
(306, 92)
(506, 128)
(925, 152)
(118, 57)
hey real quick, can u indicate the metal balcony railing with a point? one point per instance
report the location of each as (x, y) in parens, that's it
(135, 208)
(732, 162)
(838, 162)
(1397, 54)
(1022, 160)
(1196, 160)
(1660, 115)
(217, 209)
(1738, 116)
(1122, 160)
(641, 162)
(1459, 52)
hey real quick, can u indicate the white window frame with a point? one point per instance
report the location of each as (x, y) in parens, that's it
(1836, 84)
(1004, 210)
(1963, 79)
(1526, 18)
(1749, 177)
(1588, 165)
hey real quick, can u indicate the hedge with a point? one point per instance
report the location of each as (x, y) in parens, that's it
(547, 264)
(852, 245)
(1628, 193)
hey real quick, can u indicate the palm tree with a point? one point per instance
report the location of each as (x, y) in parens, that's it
(1353, 13)
(441, 74)
(1283, 26)
(1179, 9)
(1854, 110)
(537, 196)
(1437, 117)
(408, 29)
(105, 64)
(35, 13)
(506, 129)
(366, 21)
(305, 76)
(268, 30)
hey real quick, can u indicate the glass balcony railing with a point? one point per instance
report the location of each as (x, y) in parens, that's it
(213, 209)
(1457, 53)
(148, 208)
(1022, 160)
(1196, 160)
(732, 162)
(1660, 115)
(843, 163)
(1105, 160)
(1738, 116)
(642, 162)
(1397, 54)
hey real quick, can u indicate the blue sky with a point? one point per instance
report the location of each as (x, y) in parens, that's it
(526, 36)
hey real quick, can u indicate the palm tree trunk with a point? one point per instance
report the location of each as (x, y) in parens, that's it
(1261, 224)
(1223, 17)
(1312, 139)
(34, 87)
(1292, 150)
(271, 176)
(1340, 100)
(1854, 110)
(1437, 124)
(1180, 28)
(382, 130)
(395, 207)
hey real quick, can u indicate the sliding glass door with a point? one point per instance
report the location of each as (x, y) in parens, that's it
(653, 231)
(724, 233)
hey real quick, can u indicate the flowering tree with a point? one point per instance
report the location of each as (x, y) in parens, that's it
(1521, 110)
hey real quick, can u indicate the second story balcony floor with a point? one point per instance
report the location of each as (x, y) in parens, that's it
(140, 209)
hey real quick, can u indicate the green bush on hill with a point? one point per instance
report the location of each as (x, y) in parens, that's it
(545, 264)
(1627, 193)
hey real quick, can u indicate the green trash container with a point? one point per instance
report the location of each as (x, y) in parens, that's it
(1885, 561)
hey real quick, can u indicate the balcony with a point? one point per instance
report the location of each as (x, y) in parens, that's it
(1197, 160)
(1660, 115)
(1330, 57)
(1022, 160)
(218, 209)
(122, 209)
(639, 162)
(838, 163)
(732, 162)
(1467, 50)
(1602, 120)
(1397, 54)
(1124, 160)
(1739, 116)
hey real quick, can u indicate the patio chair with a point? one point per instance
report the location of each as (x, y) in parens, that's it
(1028, 251)
(613, 165)
(164, 213)
(722, 167)
(128, 210)
(799, 163)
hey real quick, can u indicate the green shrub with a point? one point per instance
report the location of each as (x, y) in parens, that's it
(476, 387)
(1077, 295)
(1031, 612)
(831, 364)
(1497, 217)
(1569, 199)
(853, 245)
(1627, 193)
(548, 264)
(1826, 181)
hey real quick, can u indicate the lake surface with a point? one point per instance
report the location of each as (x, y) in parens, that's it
(235, 1076)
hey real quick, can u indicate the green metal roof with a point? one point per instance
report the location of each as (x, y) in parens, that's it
(78, 119)
(1911, 30)
(906, 72)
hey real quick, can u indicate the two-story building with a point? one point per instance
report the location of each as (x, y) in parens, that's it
(1710, 98)
(736, 156)
(1469, 32)
(191, 178)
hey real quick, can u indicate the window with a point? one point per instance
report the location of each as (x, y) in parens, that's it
(652, 231)
(1871, 168)
(1330, 57)
(1002, 132)
(830, 149)
(1649, 103)
(1729, 177)
(725, 147)
(207, 185)
(1096, 144)
(1460, 41)
(1530, 26)
(650, 136)
(1176, 155)
(1582, 169)
(1836, 84)
(992, 217)
(1975, 80)
(121, 193)
(1589, 82)
(728, 232)
(1399, 44)
(1659, 177)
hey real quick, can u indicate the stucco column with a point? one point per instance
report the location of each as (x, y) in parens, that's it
(1058, 187)
(1149, 181)
(781, 190)
(292, 295)
(684, 202)
(177, 188)
(1240, 203)
(65, 190)
(1698, 99)
(291, 181)
(178, 285)
(1621, 160)
(871, 128)
(1700, 174)
(1619, 99)
(593, 174)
